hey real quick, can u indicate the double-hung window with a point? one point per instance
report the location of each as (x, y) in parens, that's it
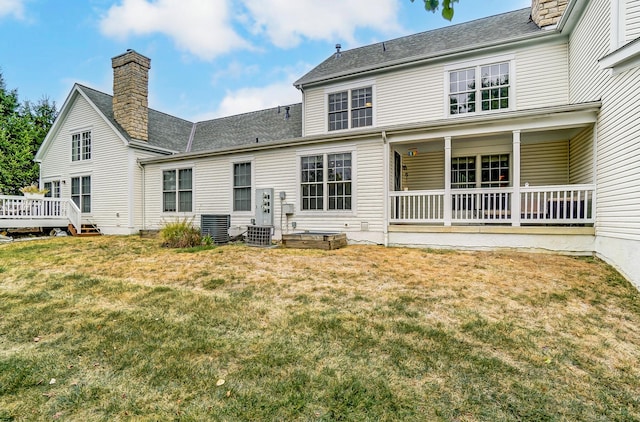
(350, 108)
(81, 192)
(326, 182)
(242, 186)
(486, 171)
(53, 189)
(81, 146)
(177, 190)
(479, 88)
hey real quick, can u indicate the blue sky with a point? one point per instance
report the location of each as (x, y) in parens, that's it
(209, 58)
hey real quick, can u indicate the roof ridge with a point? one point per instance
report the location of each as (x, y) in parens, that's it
(432, 30)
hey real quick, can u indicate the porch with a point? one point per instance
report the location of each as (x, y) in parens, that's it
(562, 205)
(517, 172)
(21, 212)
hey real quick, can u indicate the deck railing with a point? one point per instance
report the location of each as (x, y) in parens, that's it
(542, 205)
(39, 211)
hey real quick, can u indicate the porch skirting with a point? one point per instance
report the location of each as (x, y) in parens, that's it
(565, 240)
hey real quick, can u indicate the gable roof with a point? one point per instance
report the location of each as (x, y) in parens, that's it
(249, 128)
(165, 131)
(179, 135)
(500, 28)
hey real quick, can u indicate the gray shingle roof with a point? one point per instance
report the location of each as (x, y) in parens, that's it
(266, 125)
(165, 131)
(430, 44)
(174, 134)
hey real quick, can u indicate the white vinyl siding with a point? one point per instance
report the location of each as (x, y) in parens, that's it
(588, 43)
(314, 111)
(632, 20)
(542, 76)
(109, 182)
(618, 128)
(543, 164)
(581, 157)
(424, 171)
(410, 95)
(277, 169)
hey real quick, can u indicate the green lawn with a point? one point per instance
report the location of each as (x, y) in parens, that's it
(118, 328)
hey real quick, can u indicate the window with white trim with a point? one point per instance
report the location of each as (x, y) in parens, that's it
(177, 190)
(486, 171)
(53, 188)
(81, 146)
(479, 88)
(242, 186)
(350, 109)
(326, 182)
(81, 192)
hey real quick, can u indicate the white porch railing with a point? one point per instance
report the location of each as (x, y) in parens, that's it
(573, 204)
(548, 205)
(19, 211)
(424, 206)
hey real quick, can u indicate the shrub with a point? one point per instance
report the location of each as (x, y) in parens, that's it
(180, 234)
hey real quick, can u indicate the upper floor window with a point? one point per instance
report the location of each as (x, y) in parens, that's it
(350, 109)
(81, 146)
(326, 182)
(242, 186)
(479, 88)
(177, 190)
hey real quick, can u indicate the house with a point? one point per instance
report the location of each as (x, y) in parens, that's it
(514, 131)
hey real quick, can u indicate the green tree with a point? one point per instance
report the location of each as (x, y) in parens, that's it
(447, 7)
(22, 130)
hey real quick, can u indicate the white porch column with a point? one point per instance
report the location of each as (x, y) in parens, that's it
(515, 201)
(447, 180)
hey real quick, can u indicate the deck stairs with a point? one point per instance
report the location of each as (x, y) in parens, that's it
(85, 230)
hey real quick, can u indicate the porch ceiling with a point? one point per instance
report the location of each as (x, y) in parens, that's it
(562, 121)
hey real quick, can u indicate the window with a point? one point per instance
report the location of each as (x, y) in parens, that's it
(177, 190)
(339, 181)
(350, 109)
(463, 172)
(81, 193)
(54, 189)
(493, 171)
(81, 146)
(479, 88)
(326, 182)
(242, 187)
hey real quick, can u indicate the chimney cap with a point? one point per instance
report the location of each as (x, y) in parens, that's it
(129, 56)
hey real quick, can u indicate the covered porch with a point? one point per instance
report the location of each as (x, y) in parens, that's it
(517, 170)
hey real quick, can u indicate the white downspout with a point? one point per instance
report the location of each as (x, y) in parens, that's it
(144, 182)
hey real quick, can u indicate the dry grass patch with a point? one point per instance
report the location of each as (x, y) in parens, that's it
(130, 329)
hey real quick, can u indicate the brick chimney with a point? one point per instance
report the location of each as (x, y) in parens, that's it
(130, 93)
(547, 12)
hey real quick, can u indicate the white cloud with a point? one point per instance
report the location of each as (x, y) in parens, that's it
(13, 8)
(244, 100)
(201, 27)
(287, 22)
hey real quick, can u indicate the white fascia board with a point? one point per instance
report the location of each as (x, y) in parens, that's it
(622, 59)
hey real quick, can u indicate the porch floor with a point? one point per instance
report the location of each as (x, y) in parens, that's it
(493, 229)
